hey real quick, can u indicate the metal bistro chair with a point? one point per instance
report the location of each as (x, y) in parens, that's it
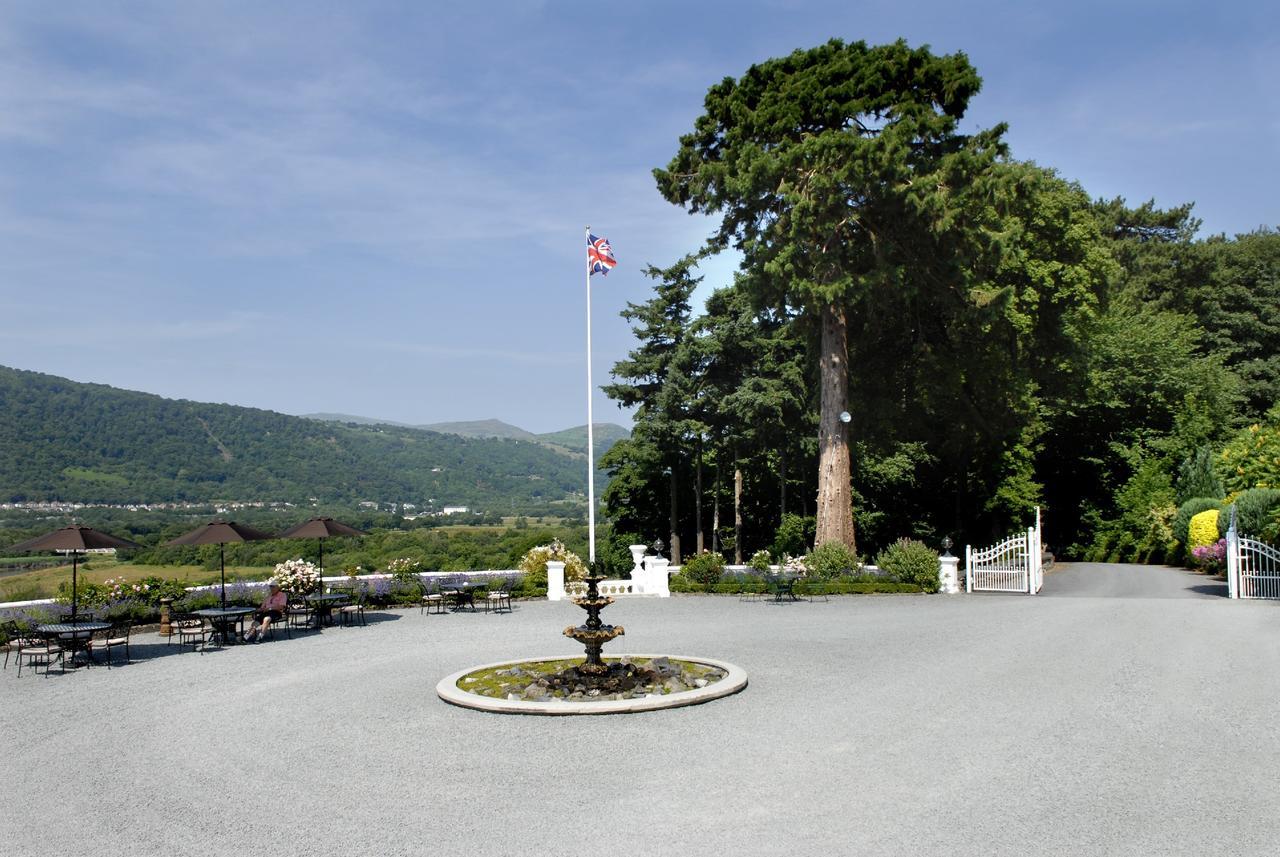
(752, 589)
(354, 612)
(432, 597)
(35, 648)
(115, 637)
(499, 597)
(297, 614)
(190, 630)
(813, 589)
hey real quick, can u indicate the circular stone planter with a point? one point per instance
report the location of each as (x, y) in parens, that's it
(735, 680)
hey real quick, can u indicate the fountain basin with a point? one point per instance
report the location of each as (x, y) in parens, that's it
(451, 690)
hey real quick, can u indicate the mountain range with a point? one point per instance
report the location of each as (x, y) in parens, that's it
(70, 441)
(573, 439)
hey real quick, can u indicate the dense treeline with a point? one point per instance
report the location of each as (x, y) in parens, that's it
(92, 443)
(1016, 343)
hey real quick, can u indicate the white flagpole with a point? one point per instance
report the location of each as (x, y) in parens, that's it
(591, 449)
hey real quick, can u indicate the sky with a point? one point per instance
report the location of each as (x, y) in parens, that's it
(377, 208)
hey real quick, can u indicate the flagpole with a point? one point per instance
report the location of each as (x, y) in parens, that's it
(591, 449)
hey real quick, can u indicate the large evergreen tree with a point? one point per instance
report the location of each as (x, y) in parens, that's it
(839, 172)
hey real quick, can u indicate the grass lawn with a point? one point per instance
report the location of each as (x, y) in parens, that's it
(43, 583)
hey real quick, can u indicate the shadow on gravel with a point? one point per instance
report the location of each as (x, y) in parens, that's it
(1216, 589)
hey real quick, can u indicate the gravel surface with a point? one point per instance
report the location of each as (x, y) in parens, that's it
(1138, 717)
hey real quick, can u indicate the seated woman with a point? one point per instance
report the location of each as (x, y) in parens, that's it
(271, 610)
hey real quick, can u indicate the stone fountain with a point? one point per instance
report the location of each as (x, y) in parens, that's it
(593, 676)
(594, 686)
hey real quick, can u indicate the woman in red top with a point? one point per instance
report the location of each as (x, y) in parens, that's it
(271, 610)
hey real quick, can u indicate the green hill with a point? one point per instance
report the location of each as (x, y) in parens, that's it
(64, 440)
(481, 428)
(575, 439)
(572, 441)
(352, 418)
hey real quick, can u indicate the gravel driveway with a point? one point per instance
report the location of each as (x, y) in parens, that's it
(1126, 711)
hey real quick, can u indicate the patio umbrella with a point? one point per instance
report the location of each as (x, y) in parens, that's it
(219, 533)
(320, 529)
(74, 539)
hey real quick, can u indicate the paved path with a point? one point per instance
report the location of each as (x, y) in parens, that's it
(898, 725)
(1111, 580)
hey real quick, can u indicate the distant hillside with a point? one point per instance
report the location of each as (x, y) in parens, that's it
(64, 440)
(481, 428)
(572, 441)
(352, 418)
(575, 439)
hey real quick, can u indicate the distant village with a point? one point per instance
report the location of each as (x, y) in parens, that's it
(55, 507)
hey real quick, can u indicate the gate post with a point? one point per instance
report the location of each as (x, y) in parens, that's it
(968, 568)
(1233, 560)
(1027, 567)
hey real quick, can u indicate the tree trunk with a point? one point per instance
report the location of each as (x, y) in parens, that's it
(715, 511)
(737, 511)
(835, 503)
(782, 474)
(699, 544)
(675, 521)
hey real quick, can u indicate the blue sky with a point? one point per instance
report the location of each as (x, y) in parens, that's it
(377, 208)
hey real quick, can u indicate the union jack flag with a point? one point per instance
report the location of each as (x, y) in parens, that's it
(599, 255)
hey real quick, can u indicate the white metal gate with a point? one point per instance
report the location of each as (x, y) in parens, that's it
(1253, 567)
(1014, 565)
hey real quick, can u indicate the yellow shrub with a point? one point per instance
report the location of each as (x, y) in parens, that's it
(1203, 530)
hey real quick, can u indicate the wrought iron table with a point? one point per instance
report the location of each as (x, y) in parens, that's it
(72, 637)
(322, 606)
(463, 595)
(224, 621)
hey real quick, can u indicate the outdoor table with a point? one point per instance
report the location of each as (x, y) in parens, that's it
(784, 589)
(322, 606)
(463, 594)
(73, 637)
(224, 620)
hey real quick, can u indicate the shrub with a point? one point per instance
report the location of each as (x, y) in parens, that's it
(403, 570)
(909, 561)
(832, 560)
(534, 564)
(296, 575)
(794, 535)
(760, 561)
(704, 568)
(1202, 529)
(1197, 477)
(1210, 558)
(1255, 509)
(680, 583)
(1181, 525)
(794, 565)
(1252, 459)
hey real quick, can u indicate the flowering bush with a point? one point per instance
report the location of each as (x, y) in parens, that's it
(1252, 459)
(405, 569)
(534, 563)
(796, 565)
(296, 575)
(118, 588)
(760, 561)
(1203, 529)
(1210, 558)
(353, 570)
